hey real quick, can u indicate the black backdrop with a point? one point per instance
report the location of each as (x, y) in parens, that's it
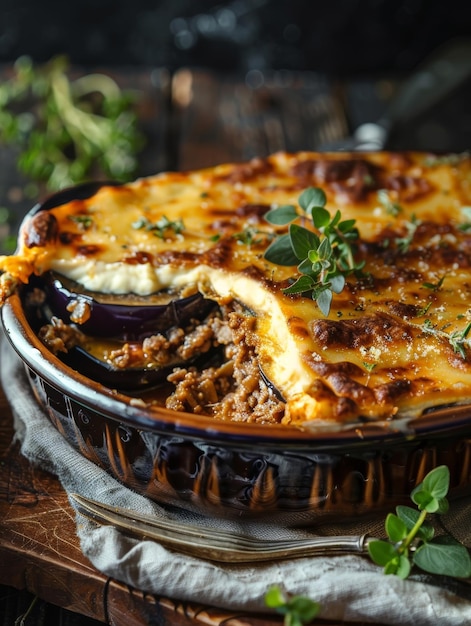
(340, 37)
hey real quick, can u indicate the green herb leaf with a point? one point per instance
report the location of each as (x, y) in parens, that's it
(326, 257)
(303, 284)
(444, 556)
(324, 300)
(337, 283)
(282, 215)
(441, 555)
(410, 517)
(437, 481)
(430, 494)
(298, 609)
(302, 240)
(312, 197)
(280, 251)
(320, 217)
(381, 552)
(395, 528)
(392, 208)
(399, 566)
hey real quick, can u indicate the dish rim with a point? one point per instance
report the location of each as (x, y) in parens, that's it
(124, 409)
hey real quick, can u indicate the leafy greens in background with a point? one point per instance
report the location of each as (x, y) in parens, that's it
(68, 130)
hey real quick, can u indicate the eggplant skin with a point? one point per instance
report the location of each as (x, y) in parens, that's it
(148, 346)
(126, 318)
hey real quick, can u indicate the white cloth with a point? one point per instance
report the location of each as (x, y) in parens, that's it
(349, 587)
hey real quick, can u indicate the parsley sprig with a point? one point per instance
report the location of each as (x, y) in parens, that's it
(412, 541)
(323, 253)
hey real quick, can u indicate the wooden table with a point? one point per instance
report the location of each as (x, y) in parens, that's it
(192, 119)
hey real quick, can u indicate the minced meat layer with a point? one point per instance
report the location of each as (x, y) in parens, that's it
(233, 390)
(227, 386)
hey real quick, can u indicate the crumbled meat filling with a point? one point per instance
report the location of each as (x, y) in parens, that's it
(233, 391)
(228, 386)
(59, 336)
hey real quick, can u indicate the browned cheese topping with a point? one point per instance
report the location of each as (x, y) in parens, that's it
(395, 341)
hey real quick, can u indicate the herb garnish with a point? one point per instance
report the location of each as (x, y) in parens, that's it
(161, 227)
(434, 286)
(323, 258)
(411, 539)
(83, 221)
(251, 236)
(457, 339)
(403, 243)
(392, 208)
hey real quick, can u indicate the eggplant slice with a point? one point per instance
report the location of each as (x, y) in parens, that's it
(125, 317)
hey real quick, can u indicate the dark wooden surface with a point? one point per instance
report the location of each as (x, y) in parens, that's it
(192, 119)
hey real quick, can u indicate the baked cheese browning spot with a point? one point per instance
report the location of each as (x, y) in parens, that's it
(395, 341)
(365, 331)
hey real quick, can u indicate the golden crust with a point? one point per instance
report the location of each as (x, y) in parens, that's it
(393, 344)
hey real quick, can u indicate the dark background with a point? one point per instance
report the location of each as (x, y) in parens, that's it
(338, 37)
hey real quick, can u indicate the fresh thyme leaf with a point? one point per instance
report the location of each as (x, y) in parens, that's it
(392, 208)
(403, 243)
(323, 254)
(458, 340)
(161, 227)
(434, 286)
(251, 236)
(84, 221)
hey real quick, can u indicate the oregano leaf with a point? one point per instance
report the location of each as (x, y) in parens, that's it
(281, 252)
(302, 241)
(403, 567)
(282, 215)
(320, 216)
(410, 517)
(324, 301)
(337, 283)
(325, 256)
(395, 528)
(311, 197)
(304, 283)
(437, 482)
(444, 556)
(381, 552)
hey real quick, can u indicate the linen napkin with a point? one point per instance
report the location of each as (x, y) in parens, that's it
(348, 587)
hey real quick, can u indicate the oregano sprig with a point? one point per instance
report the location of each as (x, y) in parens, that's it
(411, 540)
(323, 253)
